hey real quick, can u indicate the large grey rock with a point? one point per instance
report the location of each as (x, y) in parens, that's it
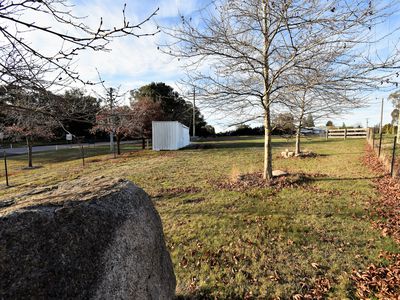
(87, 239)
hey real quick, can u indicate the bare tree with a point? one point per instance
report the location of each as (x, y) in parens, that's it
(241, 53)
(116, 121)
(111, 99)
(23, 64)
(124, 121)
(316, 88)
(24, 123)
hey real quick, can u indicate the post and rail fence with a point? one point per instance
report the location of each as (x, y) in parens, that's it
(347, 133)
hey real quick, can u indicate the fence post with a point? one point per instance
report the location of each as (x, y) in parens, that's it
(327, 133)
(380, 144)
(5, 167)
(393, 156)
(345, 133)
(373, 140)
(83, 156)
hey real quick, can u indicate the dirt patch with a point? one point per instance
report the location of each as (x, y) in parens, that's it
(244, 182)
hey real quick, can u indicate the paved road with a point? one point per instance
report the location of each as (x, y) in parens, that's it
(24, 150)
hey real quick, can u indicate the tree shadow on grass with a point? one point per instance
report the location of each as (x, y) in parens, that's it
(233, 145)
(348, 178)
(207, 294)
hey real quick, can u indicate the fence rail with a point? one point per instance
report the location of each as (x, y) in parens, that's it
(351, 133)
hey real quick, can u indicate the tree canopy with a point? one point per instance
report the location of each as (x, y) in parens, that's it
(173, 105)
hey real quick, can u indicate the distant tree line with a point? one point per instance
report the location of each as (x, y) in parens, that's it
(33, 115)
(282, 124)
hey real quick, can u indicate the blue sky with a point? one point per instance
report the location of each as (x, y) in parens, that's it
(134, 62)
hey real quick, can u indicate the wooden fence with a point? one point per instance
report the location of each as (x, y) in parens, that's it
(352, 133)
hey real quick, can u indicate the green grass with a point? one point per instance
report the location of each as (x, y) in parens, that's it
(256, 243)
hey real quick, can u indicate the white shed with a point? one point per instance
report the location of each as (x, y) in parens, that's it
(169, 135)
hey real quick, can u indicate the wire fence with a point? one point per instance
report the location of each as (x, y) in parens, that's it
(387, 150)
(15, 160)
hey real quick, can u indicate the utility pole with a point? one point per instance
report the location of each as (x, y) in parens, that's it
(380, 132)
(194, 112)
(367, 122)
(380, 127)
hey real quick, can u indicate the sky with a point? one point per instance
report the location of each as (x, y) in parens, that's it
(133, 62)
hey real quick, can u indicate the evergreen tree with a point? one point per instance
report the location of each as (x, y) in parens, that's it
(174, 107)
(309, 121)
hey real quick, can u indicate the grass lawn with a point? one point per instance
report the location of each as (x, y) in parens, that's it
(254, 243)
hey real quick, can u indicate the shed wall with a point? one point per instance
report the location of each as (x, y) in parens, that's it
(169, 135)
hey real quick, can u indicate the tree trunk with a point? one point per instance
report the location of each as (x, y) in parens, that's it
(267, 145)
(118, 145)
(297, 150)
(143, 143)
(29, 145)
(267, 174)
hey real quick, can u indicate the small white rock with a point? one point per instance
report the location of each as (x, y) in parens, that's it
(278, 173)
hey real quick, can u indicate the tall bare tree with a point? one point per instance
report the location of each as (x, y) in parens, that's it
(240, 53)
(23, 63)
